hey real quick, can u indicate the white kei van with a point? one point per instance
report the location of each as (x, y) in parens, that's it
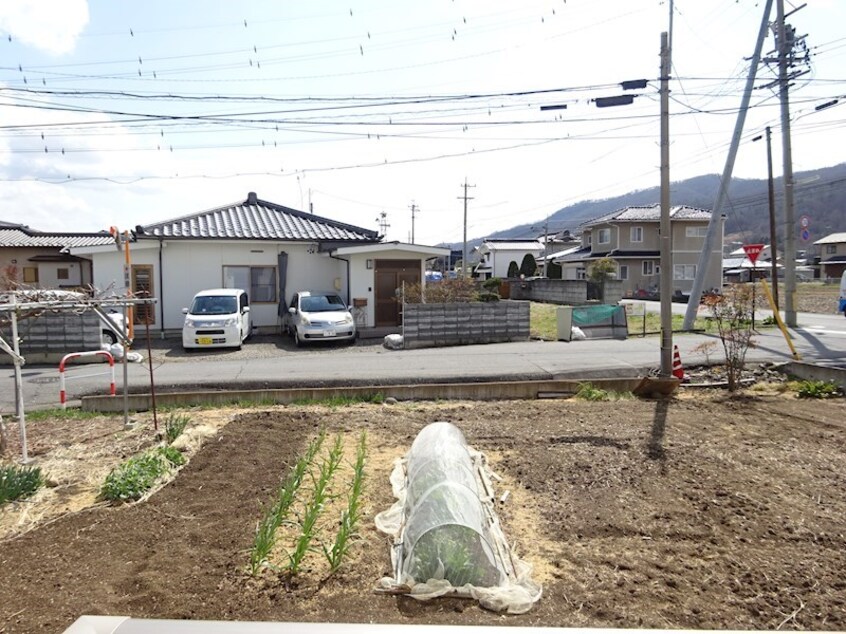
(217, 318)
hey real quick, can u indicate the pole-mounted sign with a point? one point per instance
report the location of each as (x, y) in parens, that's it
(753, 251)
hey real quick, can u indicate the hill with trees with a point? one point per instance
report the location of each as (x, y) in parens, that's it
(819, 194)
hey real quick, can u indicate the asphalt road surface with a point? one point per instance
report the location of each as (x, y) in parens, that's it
(271, 361)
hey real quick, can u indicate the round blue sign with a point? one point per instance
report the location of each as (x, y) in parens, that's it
(806, 235)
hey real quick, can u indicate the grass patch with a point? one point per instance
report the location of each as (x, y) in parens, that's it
(54, 413)
(817, 389)
(543, 322)
(132, 479)
(589, 392)
(18, 483)
(342, 401)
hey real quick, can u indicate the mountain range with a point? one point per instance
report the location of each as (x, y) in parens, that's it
(820, 195)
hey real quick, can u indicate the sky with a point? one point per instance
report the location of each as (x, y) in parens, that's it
(126, 113)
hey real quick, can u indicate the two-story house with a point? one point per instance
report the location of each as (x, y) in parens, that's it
(832, 255)
(631, 238)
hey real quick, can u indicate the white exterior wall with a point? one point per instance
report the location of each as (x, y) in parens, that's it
(189, 267)
(362, 280)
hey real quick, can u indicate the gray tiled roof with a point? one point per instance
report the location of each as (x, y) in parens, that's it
(16, 235)
(255, 219)
(651, 213)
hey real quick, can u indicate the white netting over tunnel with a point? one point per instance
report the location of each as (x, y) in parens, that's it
(447, 536)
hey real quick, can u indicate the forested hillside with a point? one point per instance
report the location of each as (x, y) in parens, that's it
(819, 194)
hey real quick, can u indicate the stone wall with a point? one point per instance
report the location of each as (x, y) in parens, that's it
(568, 292)
(433, 325)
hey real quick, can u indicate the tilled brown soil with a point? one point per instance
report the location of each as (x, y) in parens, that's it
(699, 512)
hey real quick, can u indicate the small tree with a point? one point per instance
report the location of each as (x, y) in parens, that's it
(553, 271)
(513, 269)
(600, 271)
(733, 313)
(528, 266)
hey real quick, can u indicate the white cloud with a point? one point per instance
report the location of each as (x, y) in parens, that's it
(50, 25)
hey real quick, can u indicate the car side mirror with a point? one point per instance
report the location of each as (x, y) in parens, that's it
(184, 311)
(246, 309)
(292, 310)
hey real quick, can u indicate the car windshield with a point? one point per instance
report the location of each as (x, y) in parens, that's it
(321, 303)
(214, 305)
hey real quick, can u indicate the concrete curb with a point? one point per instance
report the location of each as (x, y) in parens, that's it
(481, 391)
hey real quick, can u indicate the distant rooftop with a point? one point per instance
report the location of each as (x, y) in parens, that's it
(18, 236)
(651, 213)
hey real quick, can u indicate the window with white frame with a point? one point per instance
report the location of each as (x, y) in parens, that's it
(648, 268)
(636, 234)
(604, 236)
(684, 271)
(624, 272)
(695, 232)
(258, 281)
(830, 249)
(580, 273)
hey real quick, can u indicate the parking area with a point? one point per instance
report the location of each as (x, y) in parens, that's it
(264, 346)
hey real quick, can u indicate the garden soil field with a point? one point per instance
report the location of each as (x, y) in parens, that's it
(702, 511)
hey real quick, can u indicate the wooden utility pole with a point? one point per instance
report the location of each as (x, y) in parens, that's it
(465, 197)
(773, 236)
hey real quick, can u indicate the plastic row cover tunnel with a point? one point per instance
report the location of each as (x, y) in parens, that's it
(447, 536)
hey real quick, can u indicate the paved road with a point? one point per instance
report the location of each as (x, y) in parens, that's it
(271, 362)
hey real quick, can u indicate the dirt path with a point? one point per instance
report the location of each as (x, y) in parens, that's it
(700, 513)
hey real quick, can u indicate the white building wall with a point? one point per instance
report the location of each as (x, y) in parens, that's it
(189, 267)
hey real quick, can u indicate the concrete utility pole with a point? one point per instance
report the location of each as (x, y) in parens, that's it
(465, 197)
(725, 181)
(784, 48)
(414, 209)
(666, 230)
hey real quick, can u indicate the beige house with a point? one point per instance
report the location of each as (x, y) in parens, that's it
(631, 238)
(38, 259)
(832, 255)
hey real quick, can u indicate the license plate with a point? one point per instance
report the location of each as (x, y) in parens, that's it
(204, 341)
(328, 333)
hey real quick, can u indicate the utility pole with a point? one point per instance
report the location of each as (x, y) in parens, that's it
(785, 46)
(382, 219)
(714, 222)
(414, 209)
(666, 230)
(771, 202)
(465, 197)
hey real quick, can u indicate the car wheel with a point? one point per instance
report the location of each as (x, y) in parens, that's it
(109, 337)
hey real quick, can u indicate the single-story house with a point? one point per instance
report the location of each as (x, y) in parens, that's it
(271, 251)
(37, 259)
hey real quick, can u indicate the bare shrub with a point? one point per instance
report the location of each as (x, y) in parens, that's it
(732, 311)
(459, 290)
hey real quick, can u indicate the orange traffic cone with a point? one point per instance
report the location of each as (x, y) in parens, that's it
(678, 369)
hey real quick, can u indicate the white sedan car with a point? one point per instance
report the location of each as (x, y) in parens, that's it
(319, 316)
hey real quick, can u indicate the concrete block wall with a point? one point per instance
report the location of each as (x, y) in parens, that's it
(567, 292)
(433, 325)
(50, 336)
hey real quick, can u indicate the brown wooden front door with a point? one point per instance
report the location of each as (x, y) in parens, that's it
(142, 286)
(390, 276)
